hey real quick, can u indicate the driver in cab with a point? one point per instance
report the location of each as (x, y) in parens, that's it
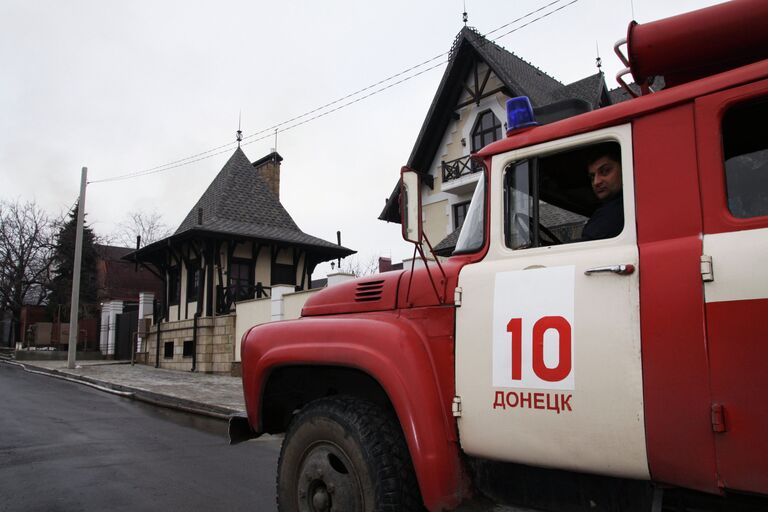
(604, 169)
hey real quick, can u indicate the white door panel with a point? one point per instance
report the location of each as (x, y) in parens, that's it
(573, 397)
(738, 265)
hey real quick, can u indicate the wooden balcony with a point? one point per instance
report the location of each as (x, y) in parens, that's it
(455, 169)
(226, 296)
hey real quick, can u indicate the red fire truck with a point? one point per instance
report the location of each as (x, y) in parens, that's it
(536, 365)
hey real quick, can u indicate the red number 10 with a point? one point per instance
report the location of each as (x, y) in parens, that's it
(542, 325)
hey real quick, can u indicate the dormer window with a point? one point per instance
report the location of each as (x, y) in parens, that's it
(487, 129)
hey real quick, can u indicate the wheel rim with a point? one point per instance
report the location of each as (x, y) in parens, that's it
(327, 481)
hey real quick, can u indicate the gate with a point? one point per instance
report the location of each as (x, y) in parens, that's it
(126, 324)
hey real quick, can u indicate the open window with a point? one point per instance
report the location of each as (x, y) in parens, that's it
(745, 148)
(567, 197)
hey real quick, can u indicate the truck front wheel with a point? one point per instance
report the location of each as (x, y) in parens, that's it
(345, 454)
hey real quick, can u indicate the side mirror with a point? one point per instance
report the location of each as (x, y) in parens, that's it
(410, 205)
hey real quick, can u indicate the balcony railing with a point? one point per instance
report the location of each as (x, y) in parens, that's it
(455, 169)
(226, 296)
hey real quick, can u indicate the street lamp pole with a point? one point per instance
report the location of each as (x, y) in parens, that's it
(75, 301)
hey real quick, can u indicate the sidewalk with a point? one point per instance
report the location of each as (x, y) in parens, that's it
(217, 396)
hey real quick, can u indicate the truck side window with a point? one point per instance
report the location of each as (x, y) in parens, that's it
(745, 150)
(550, 200)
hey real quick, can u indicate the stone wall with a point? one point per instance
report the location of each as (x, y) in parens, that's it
(214, 348)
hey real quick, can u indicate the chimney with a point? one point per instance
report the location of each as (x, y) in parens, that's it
(268, 168)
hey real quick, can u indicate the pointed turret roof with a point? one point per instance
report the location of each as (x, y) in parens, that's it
(239, 204)
(238, 200)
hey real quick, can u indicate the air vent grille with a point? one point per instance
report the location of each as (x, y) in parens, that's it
(369, 291)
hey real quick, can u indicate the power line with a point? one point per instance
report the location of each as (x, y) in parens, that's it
(255, 137)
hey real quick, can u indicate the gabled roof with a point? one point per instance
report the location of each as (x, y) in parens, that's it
(516, 73)
(619, 94)
(591, 89)
(520, 78)
(446, 246)
(111, 252)
(238, 203)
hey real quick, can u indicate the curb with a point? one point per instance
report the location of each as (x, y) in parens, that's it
(157, 399)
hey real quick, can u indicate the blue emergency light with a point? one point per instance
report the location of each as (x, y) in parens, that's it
(519, 114)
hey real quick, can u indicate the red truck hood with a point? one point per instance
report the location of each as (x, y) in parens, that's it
(388, 291)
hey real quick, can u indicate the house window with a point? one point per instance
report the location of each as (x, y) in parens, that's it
(283, 273)
(487, 129)
(189, 348)
(745, 149)
(193, 281)
(459, 214)
(241, 279)
(168, 350)
(174, 286)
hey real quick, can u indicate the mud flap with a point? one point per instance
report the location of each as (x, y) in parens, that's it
(240, 430)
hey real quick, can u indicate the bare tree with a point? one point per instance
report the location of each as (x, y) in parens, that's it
(26, 250)
(149, 226)
(359, 266)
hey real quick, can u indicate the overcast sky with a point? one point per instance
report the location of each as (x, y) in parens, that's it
(122, 87)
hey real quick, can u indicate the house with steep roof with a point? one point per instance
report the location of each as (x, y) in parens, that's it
(237, 243)
(468, 112)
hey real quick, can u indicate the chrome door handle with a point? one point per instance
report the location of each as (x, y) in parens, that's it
(622, 270)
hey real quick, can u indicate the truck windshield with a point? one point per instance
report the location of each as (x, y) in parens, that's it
(472, 233)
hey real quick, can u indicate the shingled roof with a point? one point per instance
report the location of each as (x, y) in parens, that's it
(520, 78)
(238, 203)
(619, 94)
(591, 89)
(516, 73)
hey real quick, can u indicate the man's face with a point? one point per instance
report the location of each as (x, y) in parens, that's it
(605, 176)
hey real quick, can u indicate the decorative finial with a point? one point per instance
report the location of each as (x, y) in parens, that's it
(464, 16)
(598, 60)
(239, 131)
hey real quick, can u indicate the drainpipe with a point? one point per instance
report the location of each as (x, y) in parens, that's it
(194, 341)
(157, 348)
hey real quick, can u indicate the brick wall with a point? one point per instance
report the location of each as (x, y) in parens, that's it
(270, 173)
(214, 349)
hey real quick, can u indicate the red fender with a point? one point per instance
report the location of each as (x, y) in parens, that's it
(409, 364)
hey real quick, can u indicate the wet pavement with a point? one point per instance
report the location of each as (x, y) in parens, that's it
(66, 447)
(218, 396)
(215, 396)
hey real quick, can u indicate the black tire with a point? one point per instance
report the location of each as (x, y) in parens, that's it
(343, 454)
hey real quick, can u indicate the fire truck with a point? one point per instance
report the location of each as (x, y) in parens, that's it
(536, 365)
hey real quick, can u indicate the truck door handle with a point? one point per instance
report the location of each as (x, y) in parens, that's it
(622, 270)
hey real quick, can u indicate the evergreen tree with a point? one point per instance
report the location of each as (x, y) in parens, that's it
(64, 263)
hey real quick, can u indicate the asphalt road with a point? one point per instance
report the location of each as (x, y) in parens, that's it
(67, 447)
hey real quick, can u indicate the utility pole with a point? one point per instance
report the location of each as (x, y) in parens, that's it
(75, 301)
